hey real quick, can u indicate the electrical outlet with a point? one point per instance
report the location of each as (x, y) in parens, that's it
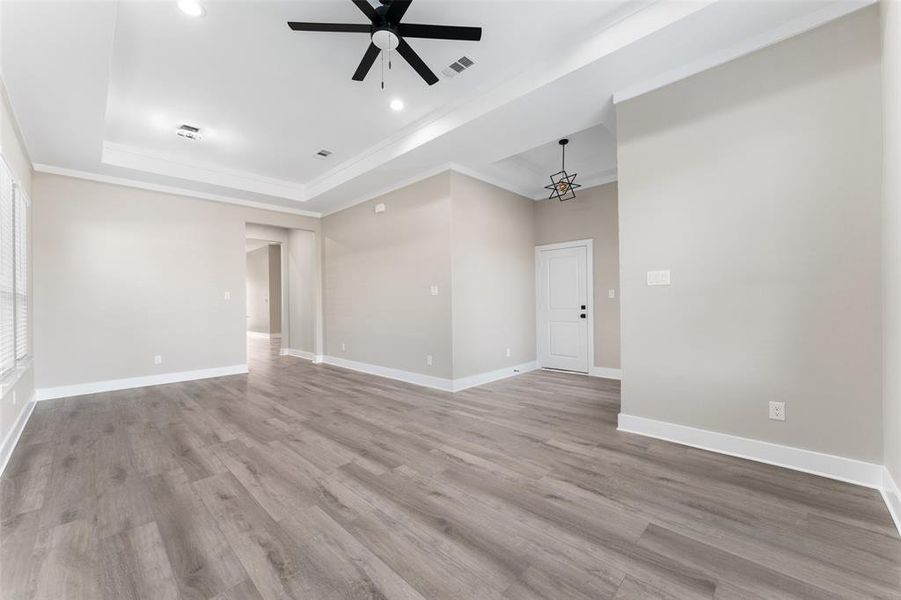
(158, 360)
(777, 410)
(428, 359)
(508, 353)
(434, 290)
(14, 398)
(343, 347)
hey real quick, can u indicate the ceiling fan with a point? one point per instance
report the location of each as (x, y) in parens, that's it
(388, 33)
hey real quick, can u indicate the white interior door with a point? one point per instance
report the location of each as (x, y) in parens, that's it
(562, 304)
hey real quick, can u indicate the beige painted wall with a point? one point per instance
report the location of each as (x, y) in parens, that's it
(15, 400)
(592, 214)
(302, 268)
(378, 269)
(123, 274)
(758, 184)
(257, 286)
(493, 274)
(275, 288)
(891, 249)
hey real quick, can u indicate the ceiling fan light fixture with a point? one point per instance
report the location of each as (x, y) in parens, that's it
(385, 39)
(192, 8)
(388, 32)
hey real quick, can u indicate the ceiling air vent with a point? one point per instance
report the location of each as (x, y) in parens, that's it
(322, 154)
(189, 132)
(458, 66)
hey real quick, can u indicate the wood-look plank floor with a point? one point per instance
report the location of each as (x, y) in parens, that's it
(306, 481)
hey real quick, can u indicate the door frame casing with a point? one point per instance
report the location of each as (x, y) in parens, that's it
(589, 284)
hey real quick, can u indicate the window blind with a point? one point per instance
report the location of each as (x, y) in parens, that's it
(7, 269)
(20, 233)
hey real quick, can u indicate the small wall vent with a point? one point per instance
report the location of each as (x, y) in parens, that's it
(458, 66)
(323, 154)
(189, 132)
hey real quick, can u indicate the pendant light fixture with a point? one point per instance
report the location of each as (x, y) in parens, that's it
(563, 186)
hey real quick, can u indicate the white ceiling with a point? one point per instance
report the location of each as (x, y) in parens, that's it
(99, 88)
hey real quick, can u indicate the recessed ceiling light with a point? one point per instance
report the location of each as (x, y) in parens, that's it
(191, 8)
(397, 105)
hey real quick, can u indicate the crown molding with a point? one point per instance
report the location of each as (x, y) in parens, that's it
(132, 183)
(425, 174)
(500, 182)
(120, 155)
(798, 26)
(419, 176)
(4, 98)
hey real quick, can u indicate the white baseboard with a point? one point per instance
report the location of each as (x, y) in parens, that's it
(430, 381)
(297, 353)
(892, 496)
(263, 335)
(12, 438)
(437, 383)
(826, 465)
(463, 383)
(95, 387)
(606, 372)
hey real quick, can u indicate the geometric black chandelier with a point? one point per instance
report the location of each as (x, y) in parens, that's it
(563, 186)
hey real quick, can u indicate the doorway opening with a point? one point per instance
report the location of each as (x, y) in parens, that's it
(283, 298)
(263, 282)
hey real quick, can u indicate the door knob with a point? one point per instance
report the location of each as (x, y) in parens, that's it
(583, 307)
(582, 316)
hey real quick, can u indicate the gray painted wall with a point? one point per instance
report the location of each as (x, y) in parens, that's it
(891, 249)
(123, 274)
(302, 257)
(378, 270)
(493, 274)
(592, 214)
(257, 286)
(275, 288)
(758, 184)
(472, 240)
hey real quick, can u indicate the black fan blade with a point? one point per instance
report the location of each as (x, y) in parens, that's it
(371, 54)
(396, 10)
(367, 9)
(440, 32)
(330, 27)
(420, 67)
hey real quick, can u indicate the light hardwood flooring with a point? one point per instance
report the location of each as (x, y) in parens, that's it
(306, 481)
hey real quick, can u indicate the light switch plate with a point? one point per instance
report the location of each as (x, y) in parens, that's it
(380, 207)
(611, 293)
(227, 295)
(658, 277)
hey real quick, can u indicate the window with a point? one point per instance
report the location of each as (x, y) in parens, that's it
(14, 206)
